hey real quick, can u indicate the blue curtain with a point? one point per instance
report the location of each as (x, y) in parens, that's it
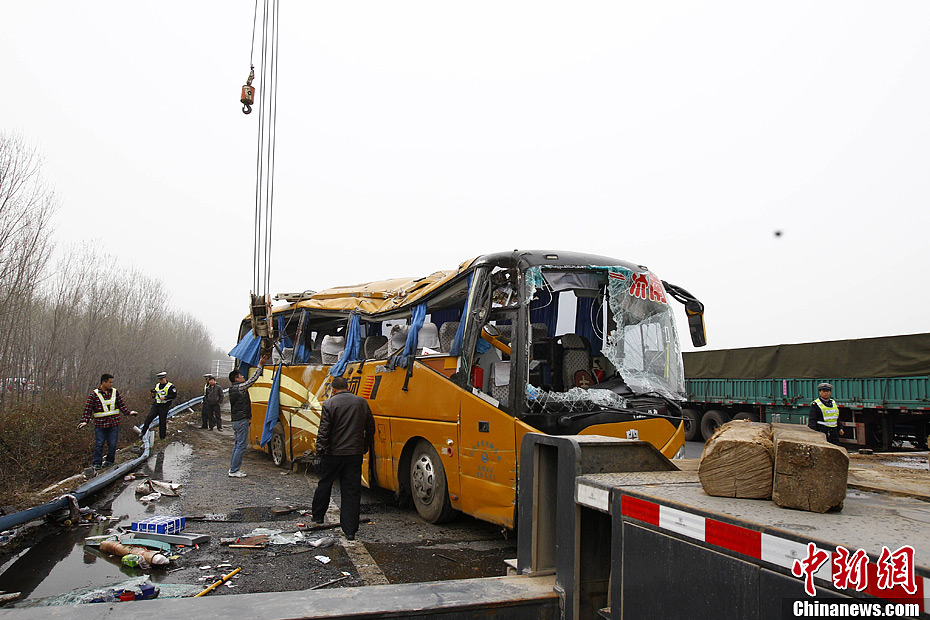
(274, 408)
(284, 340)
(456, 348)
(545, 309)
(444, 316)
(302, 353)
(246, 352)
(586, 311)
(352, 352)
(410, 347)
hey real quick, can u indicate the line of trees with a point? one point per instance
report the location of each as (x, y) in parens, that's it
(64, 323)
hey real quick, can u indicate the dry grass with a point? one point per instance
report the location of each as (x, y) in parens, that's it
(40, 445)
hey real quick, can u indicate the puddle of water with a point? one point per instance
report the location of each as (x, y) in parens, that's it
(60, 563)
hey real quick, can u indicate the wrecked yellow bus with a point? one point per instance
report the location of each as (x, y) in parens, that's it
(458, 365)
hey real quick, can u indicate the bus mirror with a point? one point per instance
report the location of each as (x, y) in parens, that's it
(695, 312)
(491, 330)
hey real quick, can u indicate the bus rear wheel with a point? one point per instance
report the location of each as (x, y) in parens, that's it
(276, 447)
(428, 485)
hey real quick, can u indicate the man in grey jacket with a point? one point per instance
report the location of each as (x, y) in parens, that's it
(346, 432)
(212, 398)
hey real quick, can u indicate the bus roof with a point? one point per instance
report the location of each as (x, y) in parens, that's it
(397, 294)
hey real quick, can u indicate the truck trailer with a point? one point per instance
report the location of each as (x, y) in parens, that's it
(881, 384)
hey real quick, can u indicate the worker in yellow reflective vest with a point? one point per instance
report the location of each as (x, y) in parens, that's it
(825, 414)
(104, 406)
(162, 394)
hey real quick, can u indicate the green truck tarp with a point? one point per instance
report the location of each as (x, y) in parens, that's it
(888, 356)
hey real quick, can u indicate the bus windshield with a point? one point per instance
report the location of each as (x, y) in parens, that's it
(615, 338)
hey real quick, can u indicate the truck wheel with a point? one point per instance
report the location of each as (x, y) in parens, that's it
(428, 484)
(746, 415)
(692, 419)
(277, 448)
(711, 420)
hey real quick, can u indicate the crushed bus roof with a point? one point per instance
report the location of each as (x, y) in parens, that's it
(375, 297)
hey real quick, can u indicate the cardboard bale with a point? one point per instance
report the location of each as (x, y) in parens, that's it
(810, 472)
(738, 461)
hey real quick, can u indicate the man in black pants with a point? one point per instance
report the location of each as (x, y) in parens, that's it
(162, 394)
(346, 432)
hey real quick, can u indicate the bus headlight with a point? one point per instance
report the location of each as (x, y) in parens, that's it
(681, 453)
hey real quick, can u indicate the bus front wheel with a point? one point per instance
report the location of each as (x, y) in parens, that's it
(428, 485)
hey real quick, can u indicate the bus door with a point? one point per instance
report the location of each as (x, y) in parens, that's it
(487, 460)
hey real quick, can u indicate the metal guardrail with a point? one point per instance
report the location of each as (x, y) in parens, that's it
(94, 484)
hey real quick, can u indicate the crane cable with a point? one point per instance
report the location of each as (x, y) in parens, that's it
(265, 157)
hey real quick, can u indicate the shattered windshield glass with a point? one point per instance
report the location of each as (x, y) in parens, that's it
(600, 336)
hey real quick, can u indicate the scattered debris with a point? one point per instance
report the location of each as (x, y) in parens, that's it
(329, 583)
(120, 550)
(322, 559)
(169, 489)
(218, 583)
(152, 497)
(320, 543)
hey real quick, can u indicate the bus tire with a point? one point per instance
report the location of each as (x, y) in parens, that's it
(711, 420)
(277, 447)
(692, 419)
(428, 486)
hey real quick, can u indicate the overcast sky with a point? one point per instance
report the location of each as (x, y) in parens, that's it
(410, 136)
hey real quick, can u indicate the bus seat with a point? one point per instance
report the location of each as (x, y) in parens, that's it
(447, 335)
(332, 348)
(576, 358)
(373, 344)
(500, 381)
(428, 337)
(316, 357)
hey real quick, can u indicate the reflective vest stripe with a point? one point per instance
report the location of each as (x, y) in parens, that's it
(161, 392)
(831, 414)
(108, 404)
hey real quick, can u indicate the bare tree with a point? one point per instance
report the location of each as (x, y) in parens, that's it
(26, 209)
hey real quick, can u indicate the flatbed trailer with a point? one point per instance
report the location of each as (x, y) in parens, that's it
(881, 384)
(652, 544)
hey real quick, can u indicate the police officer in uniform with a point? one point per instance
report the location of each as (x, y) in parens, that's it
(825, 414)
(162, 394)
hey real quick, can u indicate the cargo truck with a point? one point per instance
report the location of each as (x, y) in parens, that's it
(881, 384)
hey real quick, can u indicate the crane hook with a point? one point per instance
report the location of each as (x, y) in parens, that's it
(248, 93)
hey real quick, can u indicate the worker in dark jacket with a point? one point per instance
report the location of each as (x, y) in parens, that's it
(212, 397)
(825, 415)
(162, 394)
(240, 413)
(346, 432)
